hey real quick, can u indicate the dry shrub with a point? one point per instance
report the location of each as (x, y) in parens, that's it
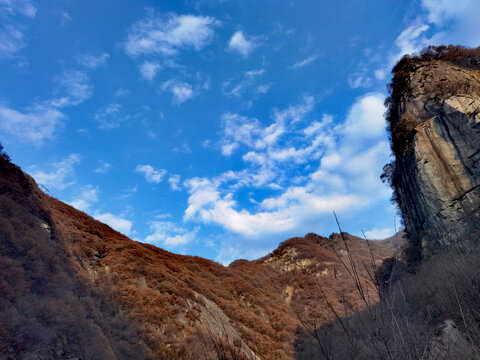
(410, 321)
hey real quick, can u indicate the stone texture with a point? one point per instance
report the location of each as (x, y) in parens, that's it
(438, 171)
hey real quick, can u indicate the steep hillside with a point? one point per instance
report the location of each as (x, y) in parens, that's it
(71, 287)
(434, 118)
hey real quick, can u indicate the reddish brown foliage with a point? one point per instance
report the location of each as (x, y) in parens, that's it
(112, 297)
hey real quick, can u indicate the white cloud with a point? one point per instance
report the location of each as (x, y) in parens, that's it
(380, 74)
(122, 92)
(166, 35)
(359, 80)
(12, 37)
(441, 11)
(169, 234)
(379, 234)
(88, 195)
(206, 203)
(73, 88)
(18, 7)
(445, 22)
(249, 79)
(61, 174)
(410, 40)
(174, 182)
(65, 18)
(274, 214)
(103, 168)
(40, 120)
(263, 89)
(110, 117)
(304, 62)
(11, 41)
(361, 150)
(181, 91)
(93, 61)
(118, 223)
(350, 155)
(228, 149)
(149, 69)
(34, 126)
(151, 175)
(240, 130)
(365, 118)
(457, 21)
(317, 127)
(229, 252)
(238, 43)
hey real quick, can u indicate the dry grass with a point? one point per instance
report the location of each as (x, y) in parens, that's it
(432, 314)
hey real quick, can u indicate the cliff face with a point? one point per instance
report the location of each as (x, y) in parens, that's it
(434, 118)
(73, 288)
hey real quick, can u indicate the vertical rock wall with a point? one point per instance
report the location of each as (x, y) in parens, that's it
(435, 123)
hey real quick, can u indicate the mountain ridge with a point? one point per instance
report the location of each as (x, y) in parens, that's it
(88, 284)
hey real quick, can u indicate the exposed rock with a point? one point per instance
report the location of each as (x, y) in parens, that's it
(435, 122)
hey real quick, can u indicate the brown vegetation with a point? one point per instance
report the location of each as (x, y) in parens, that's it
(73, 287)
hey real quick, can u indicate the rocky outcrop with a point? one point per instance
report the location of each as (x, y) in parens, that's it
(434, 120)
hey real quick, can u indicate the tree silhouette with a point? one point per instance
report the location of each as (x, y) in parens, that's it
(3, 154)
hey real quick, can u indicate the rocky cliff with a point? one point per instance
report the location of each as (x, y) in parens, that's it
(434, 118)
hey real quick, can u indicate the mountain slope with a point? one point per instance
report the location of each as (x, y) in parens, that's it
(72, 287)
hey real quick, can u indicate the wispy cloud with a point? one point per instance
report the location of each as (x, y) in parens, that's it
(181, 91)
(73, 87)
(149, 69)
(36, 125)
(65, 18)
(151, 175)
(174, 182)
(117, 222)
(103, 168)
(87, 196)
(240, 130)
(166, 35)
(444, 22)
(61, 175)
(236, 89)
(350, 157)
(93, 61)
(111, 116)
(304, 62)
(170, 235)
(12, 37)
(39, 121)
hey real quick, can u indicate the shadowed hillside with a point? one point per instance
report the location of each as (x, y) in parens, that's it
(71, 287)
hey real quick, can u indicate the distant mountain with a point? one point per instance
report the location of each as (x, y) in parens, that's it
(73, 288)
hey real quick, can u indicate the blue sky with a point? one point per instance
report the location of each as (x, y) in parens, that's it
(213, 128)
